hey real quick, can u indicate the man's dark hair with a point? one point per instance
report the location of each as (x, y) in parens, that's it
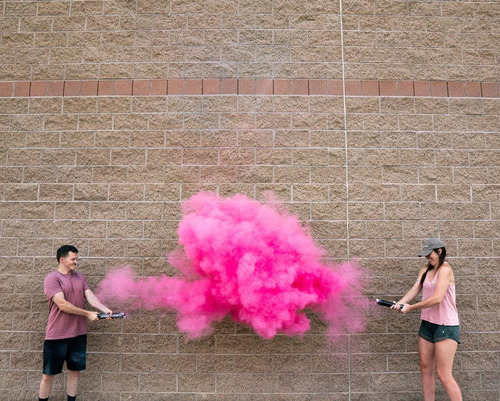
(64, 251)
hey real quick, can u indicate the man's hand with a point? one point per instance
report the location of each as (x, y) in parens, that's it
(92, 316)
(95, 303)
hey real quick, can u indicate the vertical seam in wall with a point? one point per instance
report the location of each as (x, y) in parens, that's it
(345, 131)
(346, 180)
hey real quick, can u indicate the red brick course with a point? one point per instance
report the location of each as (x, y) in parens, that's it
(233, 86)
(456, 89)
(158, 87)
(193, 87)
(211, 86)
(6, 89)
(282, 86)
(106, 88)
(89, 88)
(317, 87)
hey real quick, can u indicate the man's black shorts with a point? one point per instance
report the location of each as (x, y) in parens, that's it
(72, 350)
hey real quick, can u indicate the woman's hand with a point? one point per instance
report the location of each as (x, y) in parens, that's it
(405, 309)
(401, 307)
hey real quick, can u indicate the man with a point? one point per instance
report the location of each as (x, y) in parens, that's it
(66, 335)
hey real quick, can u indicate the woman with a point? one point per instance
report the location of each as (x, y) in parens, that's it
(439, 333)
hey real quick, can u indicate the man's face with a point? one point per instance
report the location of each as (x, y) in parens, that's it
(70, 262)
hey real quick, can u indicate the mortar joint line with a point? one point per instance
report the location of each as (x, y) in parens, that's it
(346, 179)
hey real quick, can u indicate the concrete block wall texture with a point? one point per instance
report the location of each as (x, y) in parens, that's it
(113, 112)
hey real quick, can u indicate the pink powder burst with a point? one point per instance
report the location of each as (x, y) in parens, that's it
(251, 261)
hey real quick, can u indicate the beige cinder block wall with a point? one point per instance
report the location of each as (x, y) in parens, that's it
(94, 152)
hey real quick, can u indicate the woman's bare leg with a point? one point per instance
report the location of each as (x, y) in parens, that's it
(444, 354)
(426, 355)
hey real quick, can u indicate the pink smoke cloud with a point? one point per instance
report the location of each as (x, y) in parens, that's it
(251, 261)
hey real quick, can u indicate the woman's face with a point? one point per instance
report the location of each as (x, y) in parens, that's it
(433, 257)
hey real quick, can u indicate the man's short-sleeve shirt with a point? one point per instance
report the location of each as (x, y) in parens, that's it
(61, 324)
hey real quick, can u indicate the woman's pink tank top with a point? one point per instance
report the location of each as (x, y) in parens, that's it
(445, 312)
